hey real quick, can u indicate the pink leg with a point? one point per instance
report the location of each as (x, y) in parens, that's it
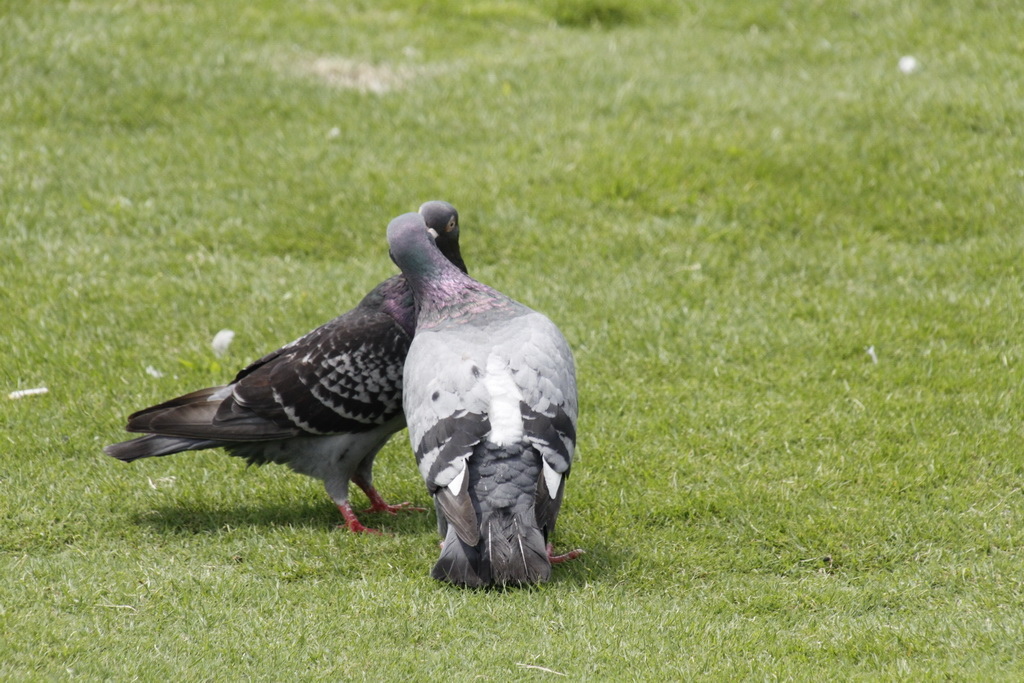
(352, 522)
(378, 504)
(558, 559)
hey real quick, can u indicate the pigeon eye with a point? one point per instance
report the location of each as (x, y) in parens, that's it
(451, 225)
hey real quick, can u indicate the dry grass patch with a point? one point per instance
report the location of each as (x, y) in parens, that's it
(352, 74)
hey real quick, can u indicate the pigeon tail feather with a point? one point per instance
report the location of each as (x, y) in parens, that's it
(459, 563)
(514, 549)
(511, 551)
(154, 445)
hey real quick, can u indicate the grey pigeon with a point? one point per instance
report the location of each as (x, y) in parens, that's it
(490, 398)
(324, 404)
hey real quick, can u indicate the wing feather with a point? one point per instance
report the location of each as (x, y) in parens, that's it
(343, 377)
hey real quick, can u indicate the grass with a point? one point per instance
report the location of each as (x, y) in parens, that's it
(723, 205)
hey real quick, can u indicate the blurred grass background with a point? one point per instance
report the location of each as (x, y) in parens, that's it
(723, 205)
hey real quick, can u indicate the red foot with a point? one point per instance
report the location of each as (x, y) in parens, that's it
(381, 506)
(378, 504)
(558, 559)
(352, 522)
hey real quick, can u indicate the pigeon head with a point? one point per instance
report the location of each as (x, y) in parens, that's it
(443, 223)
(412, 247)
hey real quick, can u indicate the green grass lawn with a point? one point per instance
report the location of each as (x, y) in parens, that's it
(724, 205)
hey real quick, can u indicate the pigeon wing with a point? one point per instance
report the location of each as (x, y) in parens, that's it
(447, 417)
(544, 372)
(345, 376)
(542, 365)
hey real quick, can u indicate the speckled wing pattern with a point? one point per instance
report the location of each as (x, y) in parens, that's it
(344, 376)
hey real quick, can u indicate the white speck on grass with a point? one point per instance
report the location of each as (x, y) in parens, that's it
(908, 64)
(540, 668)
(110, 606)
(22, 393)
(333, 133)
(221, 341)
(161, 482)
(871, 352)
(153, 372)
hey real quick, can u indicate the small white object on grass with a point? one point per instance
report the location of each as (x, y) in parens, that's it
(908, 64)
(153, 372)
(22, 393)
(222, 340)
(871, 352)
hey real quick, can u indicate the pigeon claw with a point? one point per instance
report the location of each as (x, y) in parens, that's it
(377, 502)
(352, 522)
(558, 559)
(357, 528)
(381, 506)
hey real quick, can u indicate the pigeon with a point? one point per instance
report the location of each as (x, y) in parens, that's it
(324, 404)
(489, 392)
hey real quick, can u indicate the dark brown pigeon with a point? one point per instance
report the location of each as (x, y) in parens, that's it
(324, 404)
